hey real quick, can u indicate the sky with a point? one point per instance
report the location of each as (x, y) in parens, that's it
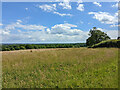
(56, 22)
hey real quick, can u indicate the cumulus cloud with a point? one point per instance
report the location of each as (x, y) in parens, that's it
(65, 4)
(80, 7)
(112, 33)
(68, 32)
(97, 4)
(105, 17)
(58, 33)
(48, 8)
(7, 29)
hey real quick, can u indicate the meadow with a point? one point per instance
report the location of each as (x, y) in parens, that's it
(61, 68)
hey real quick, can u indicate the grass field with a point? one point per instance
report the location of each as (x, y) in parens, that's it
(60, 68)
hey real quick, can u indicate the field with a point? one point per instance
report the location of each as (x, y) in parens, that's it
(60, 68)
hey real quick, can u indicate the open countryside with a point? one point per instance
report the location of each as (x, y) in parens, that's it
(60, 68)
(60, 44)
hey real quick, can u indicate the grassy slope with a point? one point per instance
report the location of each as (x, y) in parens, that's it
(108, 43)
(81, 67)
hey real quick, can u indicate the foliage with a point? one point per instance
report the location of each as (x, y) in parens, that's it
(6, 47)
(108, 43)
(61, 68)
(96, 36)
(22, 47)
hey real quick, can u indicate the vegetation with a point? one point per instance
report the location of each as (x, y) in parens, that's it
(108, 43)
(61, 68)
(10, 47)
(96, 36)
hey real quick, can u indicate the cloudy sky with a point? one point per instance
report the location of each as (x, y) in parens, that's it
(56, 22)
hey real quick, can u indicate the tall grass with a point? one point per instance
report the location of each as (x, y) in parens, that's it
(70, 68)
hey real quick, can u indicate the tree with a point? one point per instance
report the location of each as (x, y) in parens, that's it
(29, 46)
(96, 36)
(22, 47)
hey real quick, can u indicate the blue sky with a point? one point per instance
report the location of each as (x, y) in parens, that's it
(47, 22)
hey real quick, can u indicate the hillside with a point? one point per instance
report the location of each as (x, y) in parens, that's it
(108, 43)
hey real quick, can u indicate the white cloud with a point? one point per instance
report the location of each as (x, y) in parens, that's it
(19, 30)
(52, 8)
(112, 33)
(26, 27)
(4, 32)
(116, 5)
(57, 33)
(26, 8)
(105, 17)
(80, 7)
(48, 8)
(62, 14)
(65, 29)
(1, 24)
(18, 22)
(79, 1)
(98, 4)
(114, 25)
(101, 29)
(7, 29)
(30, 27)
(65, 4)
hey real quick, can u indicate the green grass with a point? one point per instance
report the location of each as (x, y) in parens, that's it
(70, 68)
(108, 43)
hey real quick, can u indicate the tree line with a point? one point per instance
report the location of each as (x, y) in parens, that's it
(10, 47)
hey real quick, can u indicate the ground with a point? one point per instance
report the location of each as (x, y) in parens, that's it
(60, 68)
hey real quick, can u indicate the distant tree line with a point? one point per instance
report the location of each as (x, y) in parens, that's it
(11, 47)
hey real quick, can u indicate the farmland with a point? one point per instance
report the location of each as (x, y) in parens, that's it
(60, 68)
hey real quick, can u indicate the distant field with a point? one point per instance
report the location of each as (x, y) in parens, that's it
(60, 68)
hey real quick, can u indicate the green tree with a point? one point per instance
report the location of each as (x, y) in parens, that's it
(17, 48)
(22, 47)
(96, 36)
(29, 46)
